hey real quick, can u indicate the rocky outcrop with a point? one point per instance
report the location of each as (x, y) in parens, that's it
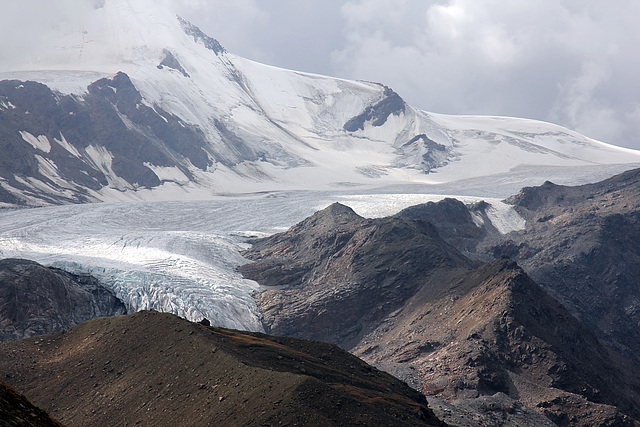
(200, 37)
(455, 223)
(77, 145)
(335, 276)
(36, 300)
(378, 113)
(497, 331)
(394, 293)
(152, 368)
(581, 244)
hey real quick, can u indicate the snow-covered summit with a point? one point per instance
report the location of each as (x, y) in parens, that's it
(140, 104)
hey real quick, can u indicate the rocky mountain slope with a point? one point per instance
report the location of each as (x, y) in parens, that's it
(496, 331)
(393, 292)
(135, 103)
(335, 275)
(579, 243)
(36, 300)
(157, 369)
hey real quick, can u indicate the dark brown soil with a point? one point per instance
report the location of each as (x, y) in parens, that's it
(157, 369)
(17, 411)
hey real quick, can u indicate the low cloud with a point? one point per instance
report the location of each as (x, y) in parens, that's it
(26, 26)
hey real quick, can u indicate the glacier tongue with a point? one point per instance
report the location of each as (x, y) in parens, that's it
(145, 253)
(179, 257)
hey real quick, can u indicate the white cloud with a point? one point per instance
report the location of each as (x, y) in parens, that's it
(287, 33)
(231, 22)
(25, 25)
(564, 61)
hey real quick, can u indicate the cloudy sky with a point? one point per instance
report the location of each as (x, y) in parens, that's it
(571, 62)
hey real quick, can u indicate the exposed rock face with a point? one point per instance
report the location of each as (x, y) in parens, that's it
(172, 62)
(157, 369)
(36, 300)
(111, 129)
(455, 222)
(393, 292)
(433, 155)
(378, 113)
(335, 276)
(581, 244)
(197, 34)
(495, 331)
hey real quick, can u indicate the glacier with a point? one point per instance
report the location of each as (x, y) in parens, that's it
(181, 256)
(280, 145)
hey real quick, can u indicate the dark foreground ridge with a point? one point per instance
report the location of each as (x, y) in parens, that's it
(17, 411)
(152, 368)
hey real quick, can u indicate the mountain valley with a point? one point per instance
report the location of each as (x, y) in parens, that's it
(165, 204)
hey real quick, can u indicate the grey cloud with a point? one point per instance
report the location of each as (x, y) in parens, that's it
(291, 34)
(572, 62)
(26, 26)
(561, 61)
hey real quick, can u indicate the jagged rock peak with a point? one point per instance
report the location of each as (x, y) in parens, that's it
(200, 37)
(335, 215)
(338, 210)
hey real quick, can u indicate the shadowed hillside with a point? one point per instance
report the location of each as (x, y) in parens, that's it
(157, 369)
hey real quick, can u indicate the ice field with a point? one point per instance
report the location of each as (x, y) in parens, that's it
(181, 256)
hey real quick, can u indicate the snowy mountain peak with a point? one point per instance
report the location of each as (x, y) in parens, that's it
(150, 107)
(195, 32)
(103, 35)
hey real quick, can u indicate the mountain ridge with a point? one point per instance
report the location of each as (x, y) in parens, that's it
(450, 327)
(157, 369)
(330, 266)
